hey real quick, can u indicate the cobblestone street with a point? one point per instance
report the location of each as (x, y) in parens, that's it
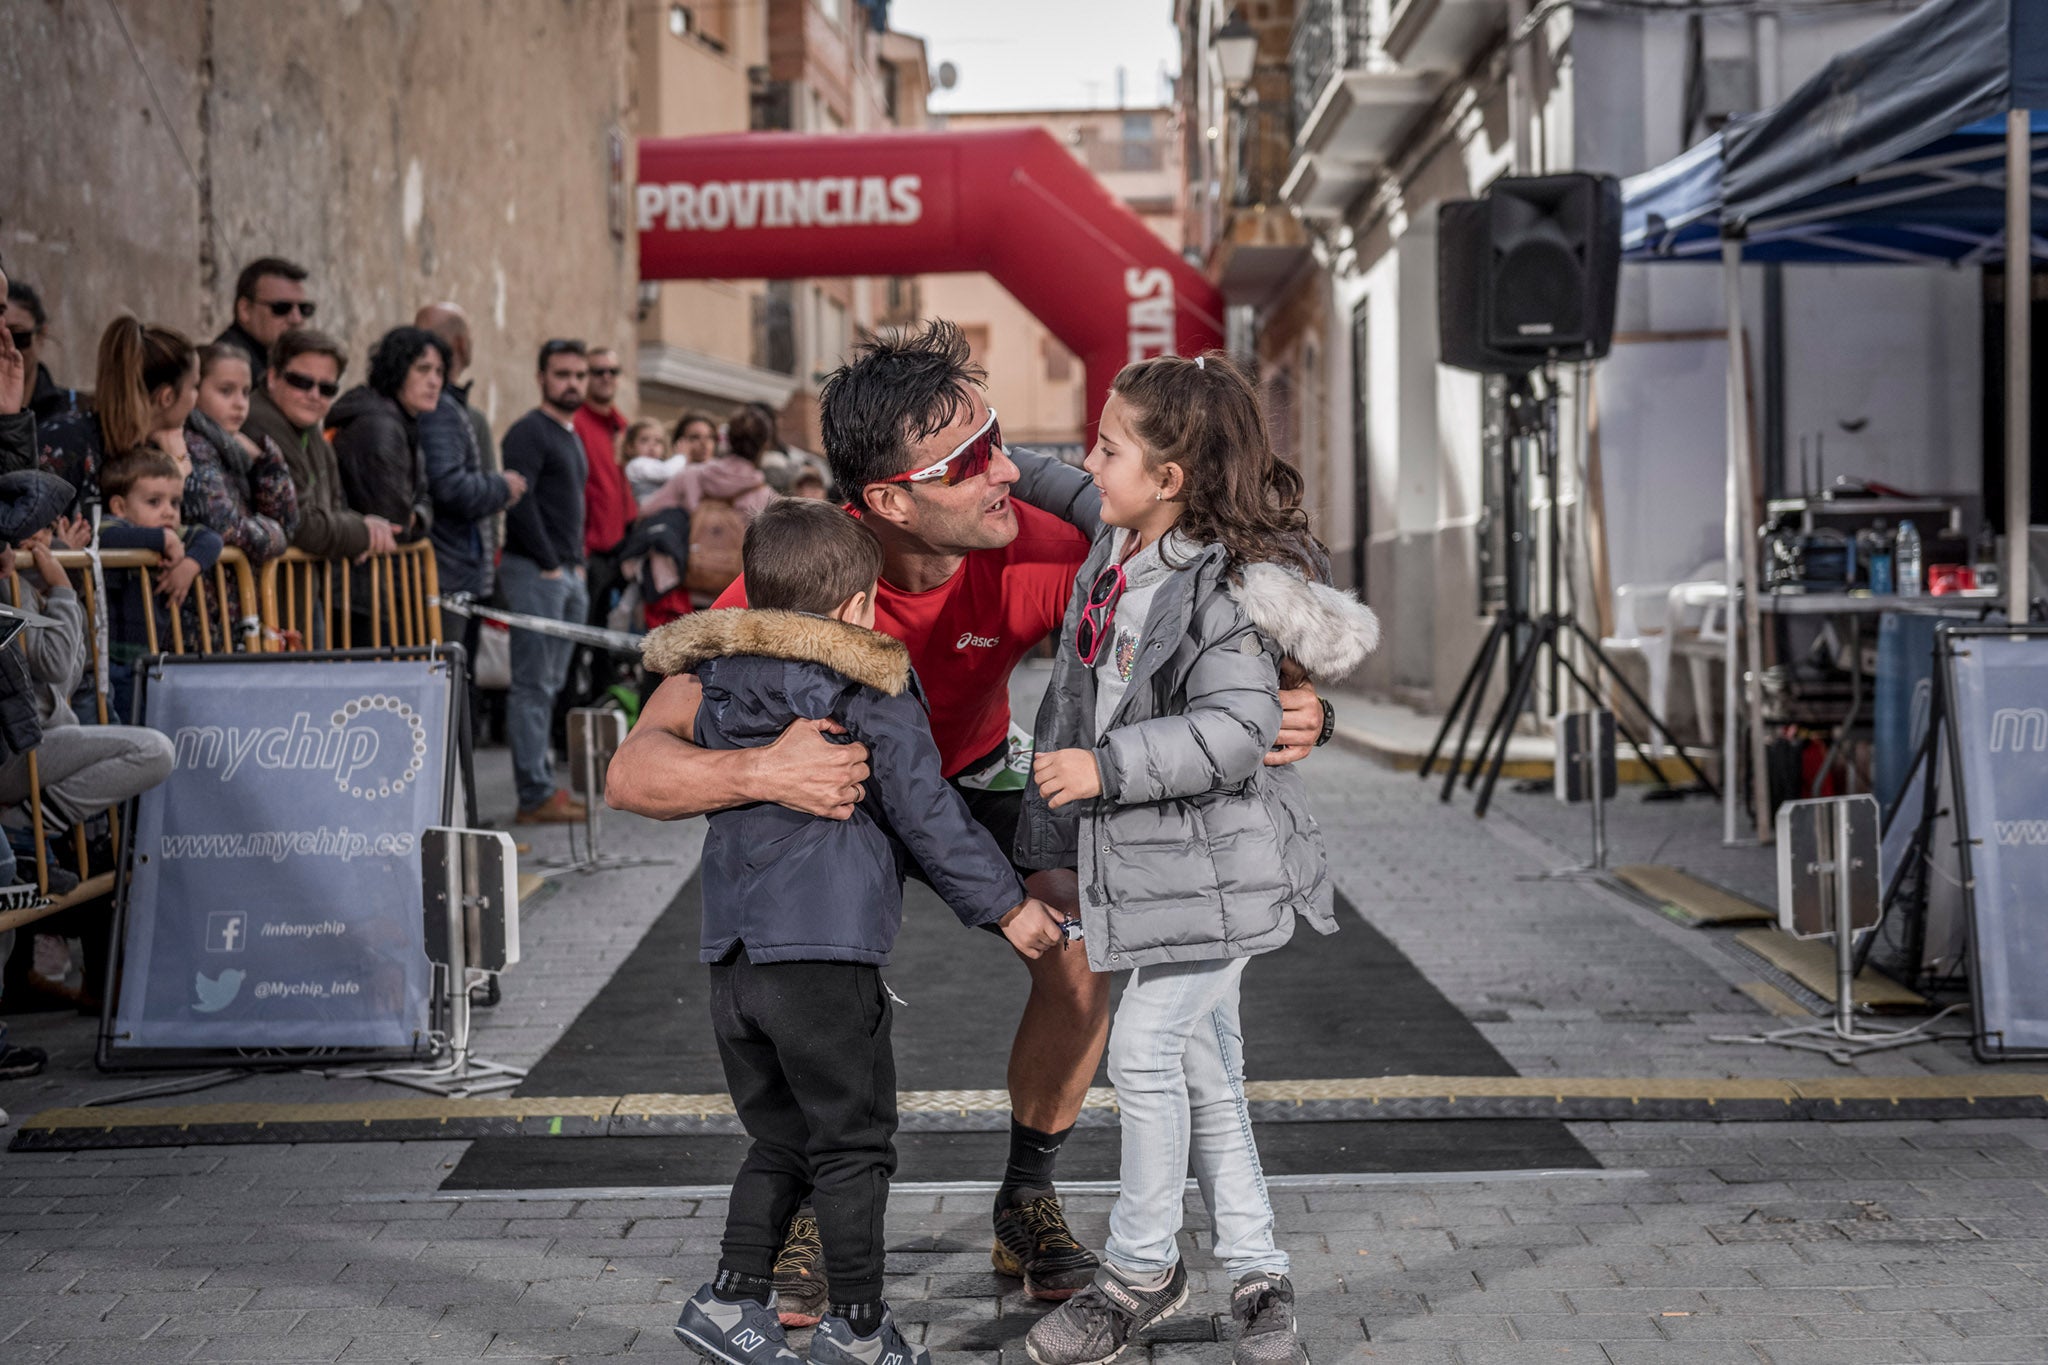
(1902, 1241)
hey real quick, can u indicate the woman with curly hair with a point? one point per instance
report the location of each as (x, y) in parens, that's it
(375, 430)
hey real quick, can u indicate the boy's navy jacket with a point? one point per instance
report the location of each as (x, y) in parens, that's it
(792, 887)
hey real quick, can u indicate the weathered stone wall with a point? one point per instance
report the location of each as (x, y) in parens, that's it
(404, 150)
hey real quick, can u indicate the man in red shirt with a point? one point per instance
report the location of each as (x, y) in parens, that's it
(608, 505)
(971, 583)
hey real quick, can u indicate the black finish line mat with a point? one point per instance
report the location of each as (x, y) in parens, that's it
(1346, 1006)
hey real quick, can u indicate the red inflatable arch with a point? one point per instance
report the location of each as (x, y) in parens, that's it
(1011, 202)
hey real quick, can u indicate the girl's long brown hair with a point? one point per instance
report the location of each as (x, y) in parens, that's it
(1205, 417)
(135, 361)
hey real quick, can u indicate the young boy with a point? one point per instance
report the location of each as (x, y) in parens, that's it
(800, 914)
(142, 491)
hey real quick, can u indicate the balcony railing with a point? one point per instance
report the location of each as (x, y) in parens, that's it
(1329, 36)
(1262, 139)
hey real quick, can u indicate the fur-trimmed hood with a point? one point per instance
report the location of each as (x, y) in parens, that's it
(867, 657)
(1326, 630)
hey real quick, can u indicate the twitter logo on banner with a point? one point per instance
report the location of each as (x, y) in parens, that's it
(216, 993)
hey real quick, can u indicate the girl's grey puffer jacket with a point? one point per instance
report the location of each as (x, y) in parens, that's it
(1195, 849)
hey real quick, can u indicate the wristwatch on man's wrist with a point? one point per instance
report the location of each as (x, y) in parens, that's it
(1329, 722)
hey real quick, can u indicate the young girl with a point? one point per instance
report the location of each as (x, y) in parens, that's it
(239, 485)
(1193, 854)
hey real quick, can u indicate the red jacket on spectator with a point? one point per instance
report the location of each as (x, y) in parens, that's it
(608, 505)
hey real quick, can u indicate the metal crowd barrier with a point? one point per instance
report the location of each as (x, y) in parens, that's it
(386, 601)
(291, 603)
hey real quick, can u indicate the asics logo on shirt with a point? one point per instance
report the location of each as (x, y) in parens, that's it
(978, 641)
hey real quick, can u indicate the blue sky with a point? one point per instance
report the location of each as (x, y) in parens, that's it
(1044, 54)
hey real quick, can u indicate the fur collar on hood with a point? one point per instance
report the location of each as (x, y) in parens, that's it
(866, 656)
(1325, 630)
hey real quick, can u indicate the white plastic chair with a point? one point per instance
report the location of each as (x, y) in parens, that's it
(1640, 628)
(1698, 616)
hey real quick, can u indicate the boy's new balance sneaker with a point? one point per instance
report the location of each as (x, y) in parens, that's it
(1094, 1326)
(742, 1333)
(801, 1292)
(1034, 1244)
(836, 1344)
(1262, 1306)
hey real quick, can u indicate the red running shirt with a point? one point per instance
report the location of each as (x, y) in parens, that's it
(965, 635)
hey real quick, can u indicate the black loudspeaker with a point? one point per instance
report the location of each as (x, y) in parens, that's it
(1529, 271)
(1463, 262)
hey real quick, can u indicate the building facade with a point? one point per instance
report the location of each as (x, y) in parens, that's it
(394, 149)
(1329, 258)
(724, 66)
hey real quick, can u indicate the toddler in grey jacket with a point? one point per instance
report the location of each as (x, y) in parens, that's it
(1193, 853)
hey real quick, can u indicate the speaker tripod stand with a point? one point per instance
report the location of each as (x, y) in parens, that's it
(1526, 641)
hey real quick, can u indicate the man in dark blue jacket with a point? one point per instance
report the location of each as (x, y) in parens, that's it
(800, 914)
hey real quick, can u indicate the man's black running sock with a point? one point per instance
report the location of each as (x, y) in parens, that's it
(734, 1285)
(1032, 1157)
(864, 1318)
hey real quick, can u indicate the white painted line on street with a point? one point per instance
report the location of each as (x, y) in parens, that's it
(1364, 1179)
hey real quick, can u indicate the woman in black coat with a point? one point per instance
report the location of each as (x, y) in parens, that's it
(374, 428)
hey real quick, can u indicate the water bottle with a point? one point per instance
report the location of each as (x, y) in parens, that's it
(1906, 556)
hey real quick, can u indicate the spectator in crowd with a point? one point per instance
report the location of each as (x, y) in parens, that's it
(780, 463)
(608, 504)
(270, 300)
(17, 423)
(466, 495)
(696, 437)
(143, 493)
(240, 485)
(28, 325)
(375, 430)
(807, 484)
(541, 573)
(83, 769)
(290, 408)
(644, 448)
(147, 385)
(722, 496)
(451, 324)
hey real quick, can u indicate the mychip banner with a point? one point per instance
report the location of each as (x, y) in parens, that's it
(1998, 721)
(274, 890)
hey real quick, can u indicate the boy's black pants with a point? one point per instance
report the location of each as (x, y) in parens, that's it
(808, 1061)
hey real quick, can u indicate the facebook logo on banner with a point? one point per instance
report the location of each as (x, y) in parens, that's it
(226, 931)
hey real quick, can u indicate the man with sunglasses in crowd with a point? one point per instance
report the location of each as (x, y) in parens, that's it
(972, 582)
(270, 300)
(290, 407)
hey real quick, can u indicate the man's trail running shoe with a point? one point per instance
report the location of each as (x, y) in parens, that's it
(1034, 1244)
(800, 1289)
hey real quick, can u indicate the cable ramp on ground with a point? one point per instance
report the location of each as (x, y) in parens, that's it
(1390, 1098)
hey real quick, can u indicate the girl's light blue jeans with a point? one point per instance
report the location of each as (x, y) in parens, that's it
(1176, 1057)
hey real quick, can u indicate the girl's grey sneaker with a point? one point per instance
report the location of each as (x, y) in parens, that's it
(743, 1333)
(1094, 1326)
(836, 1344)
(1262, 1306)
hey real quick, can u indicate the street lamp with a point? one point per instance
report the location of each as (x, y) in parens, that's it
(1237, 49)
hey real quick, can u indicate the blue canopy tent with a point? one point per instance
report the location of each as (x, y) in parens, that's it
(1917, 147)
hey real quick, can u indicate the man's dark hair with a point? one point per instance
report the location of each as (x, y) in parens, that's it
(245, 283)
(802, 554)
(391, 359)
(306, 341)
(900, 388)
(24, 293)
(555, 346)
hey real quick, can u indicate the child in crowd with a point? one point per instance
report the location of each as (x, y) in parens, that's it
(800, 915)
(142, 491)
(808, 483)
(240, 486)
(1193, 855)
(643, 447)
